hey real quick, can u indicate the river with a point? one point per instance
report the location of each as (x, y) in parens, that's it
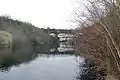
(62, 65)
(52, 67)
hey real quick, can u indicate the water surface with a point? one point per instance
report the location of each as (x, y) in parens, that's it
(45, 67)
(45, 63)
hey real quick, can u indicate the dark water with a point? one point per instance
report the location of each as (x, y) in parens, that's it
(52, 67)
(57, 63)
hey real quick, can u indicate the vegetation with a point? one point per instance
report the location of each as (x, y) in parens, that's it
(25, 35)
(27, 28)
(98, 37)
(25, 38)
(89, 71)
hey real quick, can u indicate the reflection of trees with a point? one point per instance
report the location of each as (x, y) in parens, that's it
(22, 53)
(89, 72)
(14, 59)
(25, 36)
(7, 60)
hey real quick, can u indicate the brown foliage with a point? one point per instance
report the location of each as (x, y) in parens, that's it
(99, 35)
(92, 44)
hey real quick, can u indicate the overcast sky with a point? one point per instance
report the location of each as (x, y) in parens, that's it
(42, 13)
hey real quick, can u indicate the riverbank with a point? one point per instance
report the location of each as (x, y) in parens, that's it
(91, 44)
(98, 34)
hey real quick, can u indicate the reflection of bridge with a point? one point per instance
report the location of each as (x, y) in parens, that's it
(57, 52)
(64, 38)
(67, 52)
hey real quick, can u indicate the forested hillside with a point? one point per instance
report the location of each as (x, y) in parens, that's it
(25, 35)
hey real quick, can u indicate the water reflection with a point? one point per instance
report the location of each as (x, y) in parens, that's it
(7, 60)
(64, 46)
(52, 67)
(44, 63)
(14, 59)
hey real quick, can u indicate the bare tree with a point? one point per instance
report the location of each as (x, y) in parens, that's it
(100, 34)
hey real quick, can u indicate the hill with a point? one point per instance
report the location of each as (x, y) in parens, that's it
(25, 35)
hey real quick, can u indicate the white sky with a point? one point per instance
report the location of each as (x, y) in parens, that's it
(42, 13)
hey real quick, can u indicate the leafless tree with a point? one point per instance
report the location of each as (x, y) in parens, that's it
(100, 33)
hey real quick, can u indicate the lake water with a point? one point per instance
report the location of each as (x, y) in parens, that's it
(45, 67)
